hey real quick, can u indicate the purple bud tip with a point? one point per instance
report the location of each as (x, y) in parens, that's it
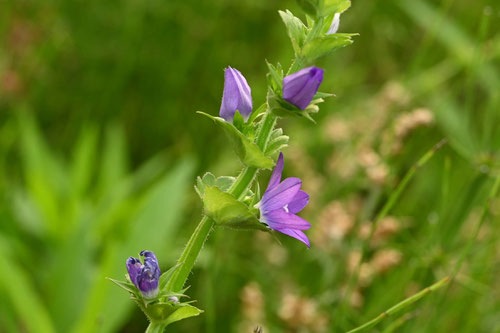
(299, 88)
(237, 95)
(145, 276)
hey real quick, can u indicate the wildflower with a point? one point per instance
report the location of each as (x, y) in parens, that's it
(236, 96)
(281, 201)
(145, 276)
(299, 88)
(335, 24)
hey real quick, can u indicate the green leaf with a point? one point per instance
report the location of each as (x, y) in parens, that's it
(297, 31)
(16, 285)
(248, 152)
(334, 6)
(275, 77)
(165, 277)
(183, 312)
(124, 285)
(227, 211)
(322, 46)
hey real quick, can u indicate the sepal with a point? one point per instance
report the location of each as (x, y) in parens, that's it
(248, 152)
(282, 108)
(227, 211)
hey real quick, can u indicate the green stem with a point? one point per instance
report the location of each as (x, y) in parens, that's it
(385, 210)
(238, 189)
(401, 305)
(155, 327)
(484, 214)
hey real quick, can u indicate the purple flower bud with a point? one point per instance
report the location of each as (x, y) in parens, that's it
(299, 88)
(335, 24)
(237, 95)
(280, 203)
(145, 276)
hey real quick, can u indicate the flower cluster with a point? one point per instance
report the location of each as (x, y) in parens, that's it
(282, 200)
(145, 276)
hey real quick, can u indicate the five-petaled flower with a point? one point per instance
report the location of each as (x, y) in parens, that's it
(281, 201)
(299, 88)
(145, 276)
(236, 96)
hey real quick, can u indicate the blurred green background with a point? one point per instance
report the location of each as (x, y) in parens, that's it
(100, 145)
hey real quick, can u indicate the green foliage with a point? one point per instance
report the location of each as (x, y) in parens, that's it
(67, 211)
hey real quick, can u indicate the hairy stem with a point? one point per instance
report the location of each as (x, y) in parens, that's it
(238, 189)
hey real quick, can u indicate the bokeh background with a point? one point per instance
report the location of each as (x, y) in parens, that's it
(100, 146)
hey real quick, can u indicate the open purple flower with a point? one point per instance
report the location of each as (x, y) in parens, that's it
(299, 88)
(281, 201)
(145, 276)
(236, 96)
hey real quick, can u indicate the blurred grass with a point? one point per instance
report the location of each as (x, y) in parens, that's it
(98, 133)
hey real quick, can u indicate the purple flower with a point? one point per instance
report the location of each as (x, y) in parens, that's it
(335, 24)
(237, 95)
(145, 276)
(299, 88)
(281, 201)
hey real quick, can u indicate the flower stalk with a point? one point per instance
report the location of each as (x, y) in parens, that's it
(238, 189)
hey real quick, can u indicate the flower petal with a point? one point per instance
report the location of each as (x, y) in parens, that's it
(230, 96)
(278, 170)
(280, 195)
(280, 219)
(299, 88)
(148, 278)
(245, 102)
(335, 24)
(297, 234)
(299, 201)
(236, 96)
(134, 267)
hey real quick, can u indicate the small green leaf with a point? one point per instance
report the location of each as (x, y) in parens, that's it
(224, 182)
(322, 46)
(183, 312)
(227, 211)
(275, 77)
(248, 152)
(167, 275)
(297, 31)
(334, 6)
(124, 285)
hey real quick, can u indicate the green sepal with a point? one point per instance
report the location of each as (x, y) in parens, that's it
(248, 152)
(282, 108)
(324, 45)
(277, 142)
(227, 211)
(224, 183)
(296, 29)
(128, 286)
(275, 77)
